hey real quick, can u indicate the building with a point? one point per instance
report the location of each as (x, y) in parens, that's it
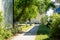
(51, 10)
(6, 6)
(57, 4)
(57, 10)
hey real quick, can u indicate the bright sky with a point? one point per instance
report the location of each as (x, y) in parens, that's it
(50, 12)
(53, 0)
(1, 6)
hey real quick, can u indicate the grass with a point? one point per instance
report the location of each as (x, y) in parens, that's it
(25, 28)
(42, 33)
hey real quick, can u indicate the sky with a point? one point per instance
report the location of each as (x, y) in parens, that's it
(1, 6)
(53, 0)
(50, 12)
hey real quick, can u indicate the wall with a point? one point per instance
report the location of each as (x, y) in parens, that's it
(7, 10)
(57, 1)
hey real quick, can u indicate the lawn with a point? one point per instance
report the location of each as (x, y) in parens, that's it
(42, 33)
(24, 28)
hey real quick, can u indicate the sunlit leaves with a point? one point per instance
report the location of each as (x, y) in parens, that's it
(42, 5)
(30, 12)
(17, 12)
(55, 25)
(30, 8)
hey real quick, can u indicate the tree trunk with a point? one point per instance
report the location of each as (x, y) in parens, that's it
(30, 22)
(21, 14)
(26, 24)
(18, 17)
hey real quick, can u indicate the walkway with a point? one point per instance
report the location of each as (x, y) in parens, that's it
(29, 35)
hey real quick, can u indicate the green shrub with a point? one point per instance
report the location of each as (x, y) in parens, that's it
(55, 25)
(5, 33)
(13, 31)
(1, 38)
(16, 30)
(19, 29)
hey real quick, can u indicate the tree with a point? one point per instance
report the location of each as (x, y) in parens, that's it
(24, 7)
(25, 10)
(43, 5)
(20, 7)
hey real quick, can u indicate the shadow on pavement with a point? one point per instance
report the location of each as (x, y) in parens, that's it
(32, 31)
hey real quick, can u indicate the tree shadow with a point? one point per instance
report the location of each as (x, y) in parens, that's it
(43, 32)
(53, 37)
(32, 31)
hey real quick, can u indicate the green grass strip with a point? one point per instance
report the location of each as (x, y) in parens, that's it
(42, 33)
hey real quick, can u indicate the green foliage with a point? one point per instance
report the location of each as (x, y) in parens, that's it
(29, 8)
(43, 29)
(29, 12)
(19, 29)
(55, 25)
(42, 5)
(1, 18)
(5, 33)
(42, 32)
(1, 38)
(51, 4)
(53, 31)
(13, 31)
(16, 30)
(44, 20)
